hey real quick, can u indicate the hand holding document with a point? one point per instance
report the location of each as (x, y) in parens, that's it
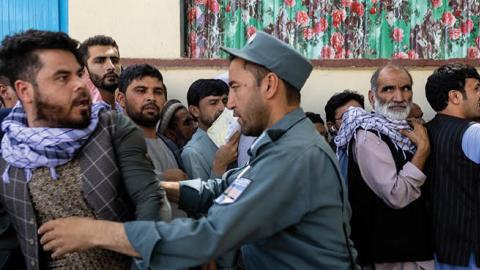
(223, 128)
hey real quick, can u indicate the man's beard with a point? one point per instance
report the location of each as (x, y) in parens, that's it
(102, 83)
(57, 117)
(255, 119)
(383, 109)
(208, 121)
(140, 119)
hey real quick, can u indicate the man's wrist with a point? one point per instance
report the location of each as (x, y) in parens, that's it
(219, 168)
(98, 235)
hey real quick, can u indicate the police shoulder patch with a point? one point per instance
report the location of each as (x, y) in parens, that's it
(233, 191)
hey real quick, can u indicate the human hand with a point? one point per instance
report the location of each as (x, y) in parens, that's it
(226, 154)
(418, 135)
(66, 235)
(172, 189)
(174, 175)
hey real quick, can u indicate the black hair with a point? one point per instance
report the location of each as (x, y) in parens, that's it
(340, 99)
(138, 72)
(314, 117)
(98, 40)
(205, 87)
(446, 78)
(18, 53)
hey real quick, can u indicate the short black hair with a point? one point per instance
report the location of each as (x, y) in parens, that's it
(445, 78)
(98, 40)
(18, 52)
(205, 87)
(315, 117)
(340, 99)
(135, 72)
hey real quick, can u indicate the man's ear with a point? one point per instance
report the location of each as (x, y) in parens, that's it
(371, 98)
(121, 98)
(272, 82)
(454, 97)
(24, 91)
(194, 111)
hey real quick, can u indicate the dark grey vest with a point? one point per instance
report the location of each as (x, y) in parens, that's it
(453, 183)
(382, 234)
(102, 186)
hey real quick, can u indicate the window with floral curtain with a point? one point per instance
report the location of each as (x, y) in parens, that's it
(339, 29)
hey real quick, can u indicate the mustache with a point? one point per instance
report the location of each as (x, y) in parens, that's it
(151, 104)
(392, 103)
(82, 97)
(111, 73)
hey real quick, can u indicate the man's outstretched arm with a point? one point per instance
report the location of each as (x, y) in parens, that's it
(72, 234)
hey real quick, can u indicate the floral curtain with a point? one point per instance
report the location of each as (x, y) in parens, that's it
(342, 29)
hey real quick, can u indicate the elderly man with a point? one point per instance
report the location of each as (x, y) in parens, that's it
(453, 91)
(61, 157)
(271, 208)
(386, 159)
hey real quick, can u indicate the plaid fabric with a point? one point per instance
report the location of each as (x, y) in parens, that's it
(355, 118)
(102, 186)
(30, 148)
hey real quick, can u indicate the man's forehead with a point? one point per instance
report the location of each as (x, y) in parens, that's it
(392, 74)
(182, 113)
(102, 50)
(147, 81)
(236, 65)
(351, 103)
(57, 58)
(237, 70)
(473, 81)
(210, 98)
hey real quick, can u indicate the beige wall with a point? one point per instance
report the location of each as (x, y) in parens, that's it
(142, 28)
(321, 85)
(151, 29)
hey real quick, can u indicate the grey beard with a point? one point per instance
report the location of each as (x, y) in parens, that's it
(382, 108)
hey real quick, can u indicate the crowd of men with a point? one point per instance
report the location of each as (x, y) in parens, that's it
(99, 170)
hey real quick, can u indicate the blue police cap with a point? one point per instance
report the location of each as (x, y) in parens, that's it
(274, 54)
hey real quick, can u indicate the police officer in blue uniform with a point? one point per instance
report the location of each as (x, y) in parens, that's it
(286, 209)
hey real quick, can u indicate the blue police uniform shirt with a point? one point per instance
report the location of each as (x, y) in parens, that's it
(286, 209)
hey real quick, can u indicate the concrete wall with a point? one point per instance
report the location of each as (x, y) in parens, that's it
(151, 29)
(321, 85)
(142, 28)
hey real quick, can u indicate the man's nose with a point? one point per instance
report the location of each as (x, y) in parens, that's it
(109, 64)
(398, 95)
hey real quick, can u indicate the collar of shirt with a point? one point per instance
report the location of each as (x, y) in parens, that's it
(276, 131)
